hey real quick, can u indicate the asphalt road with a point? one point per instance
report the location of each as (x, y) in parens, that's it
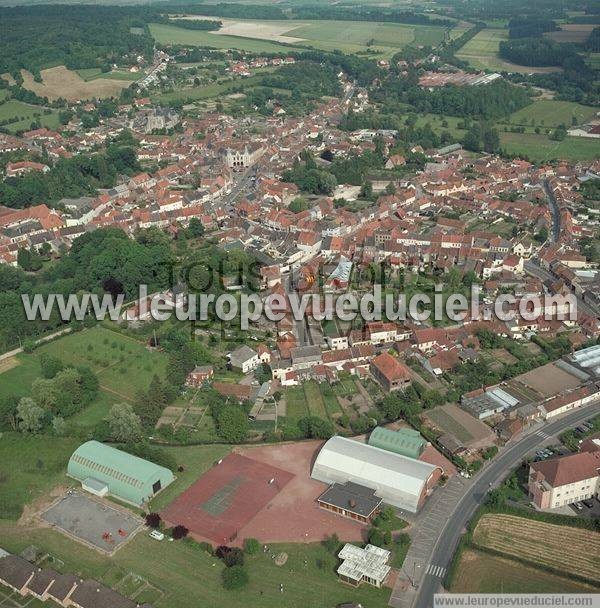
(492, 474)
(554, 210)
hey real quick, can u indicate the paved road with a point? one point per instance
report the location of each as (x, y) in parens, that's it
(554, 211)
(429, 576)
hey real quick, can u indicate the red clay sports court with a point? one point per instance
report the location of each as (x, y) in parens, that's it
(226, 498)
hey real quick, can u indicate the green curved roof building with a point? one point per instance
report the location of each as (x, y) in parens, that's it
(103, 469)
(406, 442)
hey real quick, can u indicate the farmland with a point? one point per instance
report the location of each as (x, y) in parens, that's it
(482, 53)
(518, 537)
(95, 73)
(480, 572)
(551, 113)
(279, 36)
(541, 147)
(572, 32)
(61, 82)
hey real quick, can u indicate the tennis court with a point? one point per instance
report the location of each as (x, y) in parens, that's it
(226, 498)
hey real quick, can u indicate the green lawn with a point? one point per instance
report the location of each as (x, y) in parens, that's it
(542, 148)
(187, 577)
(29, 467)
(94, 73)
(312, 392)
(551, 113)
(26, 113)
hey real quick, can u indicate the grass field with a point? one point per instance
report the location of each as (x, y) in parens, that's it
(207, 91)
(26, 113)
(185, 576)
(277, 36)
(443, 420)
(479, 572)
(551, 113)
(61, 82)
(482, 53)
(572, 32)
(542, 148)
(30, 466)
(519, 537)
(89, 74)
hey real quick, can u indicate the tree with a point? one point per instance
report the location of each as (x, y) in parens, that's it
(263, 373)
(234, 557)
(50, 365)
(195, 228)
(8, 412)
(153, 520)
(332, 543)
(251, 546)
(235, 577)
(59, 426)
(179, 532)
(376, 537)
(124, 424)
(232, 424)
(29, 259)
(30, 415)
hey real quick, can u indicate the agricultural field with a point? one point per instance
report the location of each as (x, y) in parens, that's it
(480, 572)
(61, 82)
(180, 573)
(572, 32)
(26, 114)
(482, 54)
(551, 113)
(277, 36)
(542, 148)
(519, 537)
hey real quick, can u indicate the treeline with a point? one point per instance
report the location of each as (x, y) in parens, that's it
(105, 260)
(205, 25)
(366, 13)
(530, 27)
(507, 9)
(33, 37)
(230, 10)
(592, 44)
(69, 177)
(537, 52)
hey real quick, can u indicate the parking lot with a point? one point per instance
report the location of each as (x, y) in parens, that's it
(92, 521)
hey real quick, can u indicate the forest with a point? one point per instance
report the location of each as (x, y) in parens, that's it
(537, 52)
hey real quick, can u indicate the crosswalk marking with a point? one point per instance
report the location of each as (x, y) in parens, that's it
(437, 571)
(543, 435)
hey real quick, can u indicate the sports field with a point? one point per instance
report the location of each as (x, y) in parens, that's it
(480, 572)
(226, 498)
(277, 36)
(482, 53)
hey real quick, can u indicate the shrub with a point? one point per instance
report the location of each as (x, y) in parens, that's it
(235, 557)
(179, 532)
(153, 520)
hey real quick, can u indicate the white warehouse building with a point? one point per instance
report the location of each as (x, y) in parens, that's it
(399, 481)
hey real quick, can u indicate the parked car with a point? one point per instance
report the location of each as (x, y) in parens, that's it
(578, 506)
(588, 503)
(156, 535)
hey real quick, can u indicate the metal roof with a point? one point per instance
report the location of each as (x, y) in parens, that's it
(406, 442)
(397, 480)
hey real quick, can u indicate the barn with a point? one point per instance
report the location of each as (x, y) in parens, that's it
(397, 480)
(104, 470)
(406, 442)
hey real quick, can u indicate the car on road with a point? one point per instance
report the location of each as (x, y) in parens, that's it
(156, 535)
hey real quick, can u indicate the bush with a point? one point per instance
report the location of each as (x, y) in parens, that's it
(376, 537)
(251, 546)
(235, 557)
(332, 543)
(179, 532)
(153, 520)
(235, 577)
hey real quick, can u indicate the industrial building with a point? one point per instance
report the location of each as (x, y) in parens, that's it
(397, 480)
(104, 470)
(406, 442)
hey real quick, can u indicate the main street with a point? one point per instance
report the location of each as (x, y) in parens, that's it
(428, 577)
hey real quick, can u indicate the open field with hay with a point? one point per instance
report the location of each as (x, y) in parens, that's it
(561, 551)
(481, 52)
(480, 572)
(277, 36)
(572, 32)
(61, 82)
